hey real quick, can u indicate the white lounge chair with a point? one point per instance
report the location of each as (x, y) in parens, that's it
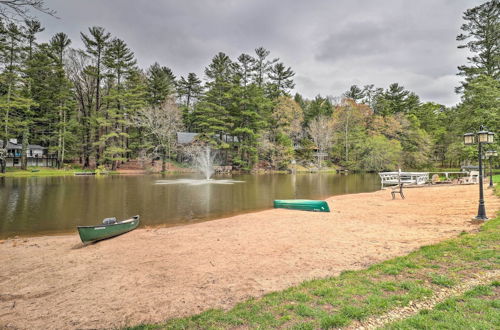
(472, 178)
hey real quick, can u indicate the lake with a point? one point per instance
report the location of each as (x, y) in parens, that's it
(49, 205)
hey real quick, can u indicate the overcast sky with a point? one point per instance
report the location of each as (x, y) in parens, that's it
(329, 44)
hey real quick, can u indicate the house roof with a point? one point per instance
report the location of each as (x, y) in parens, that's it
(185, 137)
(19, 146)
(188, 137)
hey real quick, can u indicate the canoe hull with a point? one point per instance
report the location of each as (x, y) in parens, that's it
(100, 232)
(302, 204)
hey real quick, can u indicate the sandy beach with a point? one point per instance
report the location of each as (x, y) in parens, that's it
(149, 275)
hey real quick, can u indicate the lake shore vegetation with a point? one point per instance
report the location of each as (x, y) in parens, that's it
(91, 105)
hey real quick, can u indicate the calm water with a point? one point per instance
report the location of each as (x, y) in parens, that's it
(33, 206)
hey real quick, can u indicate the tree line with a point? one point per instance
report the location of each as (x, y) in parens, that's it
(95, 105)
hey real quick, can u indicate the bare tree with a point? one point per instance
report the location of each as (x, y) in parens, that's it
(77, 65)
(15, 10)
(161, 123)
(321, 131)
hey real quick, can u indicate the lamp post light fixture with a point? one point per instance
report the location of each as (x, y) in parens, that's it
(490, 154)
(481, 137)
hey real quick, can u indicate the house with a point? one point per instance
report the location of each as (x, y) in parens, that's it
(184, 138)
(37, 155)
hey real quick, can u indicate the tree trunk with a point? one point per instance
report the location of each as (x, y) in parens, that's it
(6, 128)
(163, 161)
(3, 157)
(59, 140)
(63, 145)
(24, 152)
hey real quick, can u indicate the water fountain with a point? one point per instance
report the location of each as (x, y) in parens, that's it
(203, 159)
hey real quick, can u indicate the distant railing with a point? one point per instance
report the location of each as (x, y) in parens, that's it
(395, 178)
(223, 169)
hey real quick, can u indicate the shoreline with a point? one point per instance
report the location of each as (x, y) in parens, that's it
(150, 275)
(198, 221)
(73, 231)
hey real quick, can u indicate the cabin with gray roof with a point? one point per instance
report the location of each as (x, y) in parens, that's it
(37, 155)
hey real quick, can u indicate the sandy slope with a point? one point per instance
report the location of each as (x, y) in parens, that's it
(150, 275)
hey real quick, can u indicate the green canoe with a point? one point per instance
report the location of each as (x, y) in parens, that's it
(108, 229)
(302, 204)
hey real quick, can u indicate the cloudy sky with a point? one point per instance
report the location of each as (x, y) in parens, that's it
(330, 44)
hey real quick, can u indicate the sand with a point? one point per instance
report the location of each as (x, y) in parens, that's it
(150, 275)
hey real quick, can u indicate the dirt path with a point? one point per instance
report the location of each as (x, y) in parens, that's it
(150, 275)
(415, 307)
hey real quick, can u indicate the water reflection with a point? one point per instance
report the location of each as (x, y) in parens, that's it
(196, 182)
(58, 204)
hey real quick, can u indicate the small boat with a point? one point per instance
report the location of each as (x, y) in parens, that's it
(302, 204)
(109, 228)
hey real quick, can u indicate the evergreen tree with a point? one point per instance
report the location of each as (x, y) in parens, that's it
(12, 102)
(33, 27)
(370, 94)
(354, 93)
(161, 84)
(320, 106)
(481, 36)
(59, 44)
(119, 60)
(396, 99)
(262, 66)
(248, 102)
(211, 115)
(95, 45)
(189, 91)
(281, 80)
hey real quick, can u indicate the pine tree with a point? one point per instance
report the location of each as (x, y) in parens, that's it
(189, 91)
(354, 93)
(320, 106)
(119, 60)
(33, 27)
(248, 102)
(59, 44)
(281, 80)
(161, 84)
(262, 66)
(95, 45)
(211, 114)
(481, 36)
(12, 102)
(396, 99)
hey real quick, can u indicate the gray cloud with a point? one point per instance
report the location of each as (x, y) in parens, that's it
(329, 44)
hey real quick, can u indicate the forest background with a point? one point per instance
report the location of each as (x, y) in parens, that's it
(95, 106)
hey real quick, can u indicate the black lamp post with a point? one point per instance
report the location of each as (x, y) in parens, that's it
(483, 136)
(490, 154)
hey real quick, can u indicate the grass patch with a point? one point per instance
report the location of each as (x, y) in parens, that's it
(355, 295)
(442, 280)
(39, 172)
(478, 308)
(43, 172)
(35, 171)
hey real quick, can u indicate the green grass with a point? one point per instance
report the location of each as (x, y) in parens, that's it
(355, 295)
(496, 178)
(478, 308)
(39, 171)
(42, 172)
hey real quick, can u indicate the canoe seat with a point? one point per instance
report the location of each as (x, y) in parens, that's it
(109, 221)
